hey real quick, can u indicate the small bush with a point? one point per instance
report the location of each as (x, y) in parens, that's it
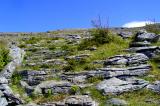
(16, 77)
(49, 93)
(95, 79)
(100, 35)
(52, 47)
(74, 89)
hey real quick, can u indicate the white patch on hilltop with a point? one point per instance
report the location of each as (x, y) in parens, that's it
(137, 24)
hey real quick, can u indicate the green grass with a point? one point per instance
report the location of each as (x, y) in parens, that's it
(16, 87)
(106, 47)
(102, 53)
(134, 98)
(4, 54)
(138, 98)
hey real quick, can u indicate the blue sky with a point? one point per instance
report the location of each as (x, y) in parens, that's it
(43, 15)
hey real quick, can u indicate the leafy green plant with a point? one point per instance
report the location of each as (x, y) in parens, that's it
(74, 89)
(49, 93)
(16, 77)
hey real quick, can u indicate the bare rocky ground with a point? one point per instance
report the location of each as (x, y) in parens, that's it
(47, 69)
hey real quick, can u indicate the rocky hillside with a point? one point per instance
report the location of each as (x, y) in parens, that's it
(94, 67)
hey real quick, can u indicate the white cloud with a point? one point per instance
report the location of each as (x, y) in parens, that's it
(137, 24)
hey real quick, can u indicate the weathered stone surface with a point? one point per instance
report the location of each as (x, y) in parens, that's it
(115, 72)
(13, 98)
(3, 80)
(125, 34)
(60, 53)
(33, 77)
(73, 36)
(140, 44)
(154, 87)
(76, 78)
(54, 86)
(118, 86)
(76, 100)
(27, 88)
(32, 73)
(17, 55)
(144, 36)
(150, 51)
(78, 57)
(80, 100)
(3, 101)
(117, 102)
(127, 60)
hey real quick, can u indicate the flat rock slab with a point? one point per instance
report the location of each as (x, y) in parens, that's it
(126, 60)
(150, 51)
(140, 44)
(80, 100)
(115, 72)
(53, 87)
(117, 86)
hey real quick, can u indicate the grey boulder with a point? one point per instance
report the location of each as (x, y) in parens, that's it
(143, 35)
(154, 87)
(117, 86)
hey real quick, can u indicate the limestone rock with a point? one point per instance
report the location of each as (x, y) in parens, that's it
(80, 100)
(150, 51)
(125, 34)
(54, 86)
(154, 87)
(3, 101)
(127, 60)
(78, 57)
(144, 36)
(118, 86)
(117, 102)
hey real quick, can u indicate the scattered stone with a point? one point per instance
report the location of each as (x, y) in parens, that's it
(80, 100)
(117, 86)
(125, 34)
(154, 87)
(73, 36)
(117, 102)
